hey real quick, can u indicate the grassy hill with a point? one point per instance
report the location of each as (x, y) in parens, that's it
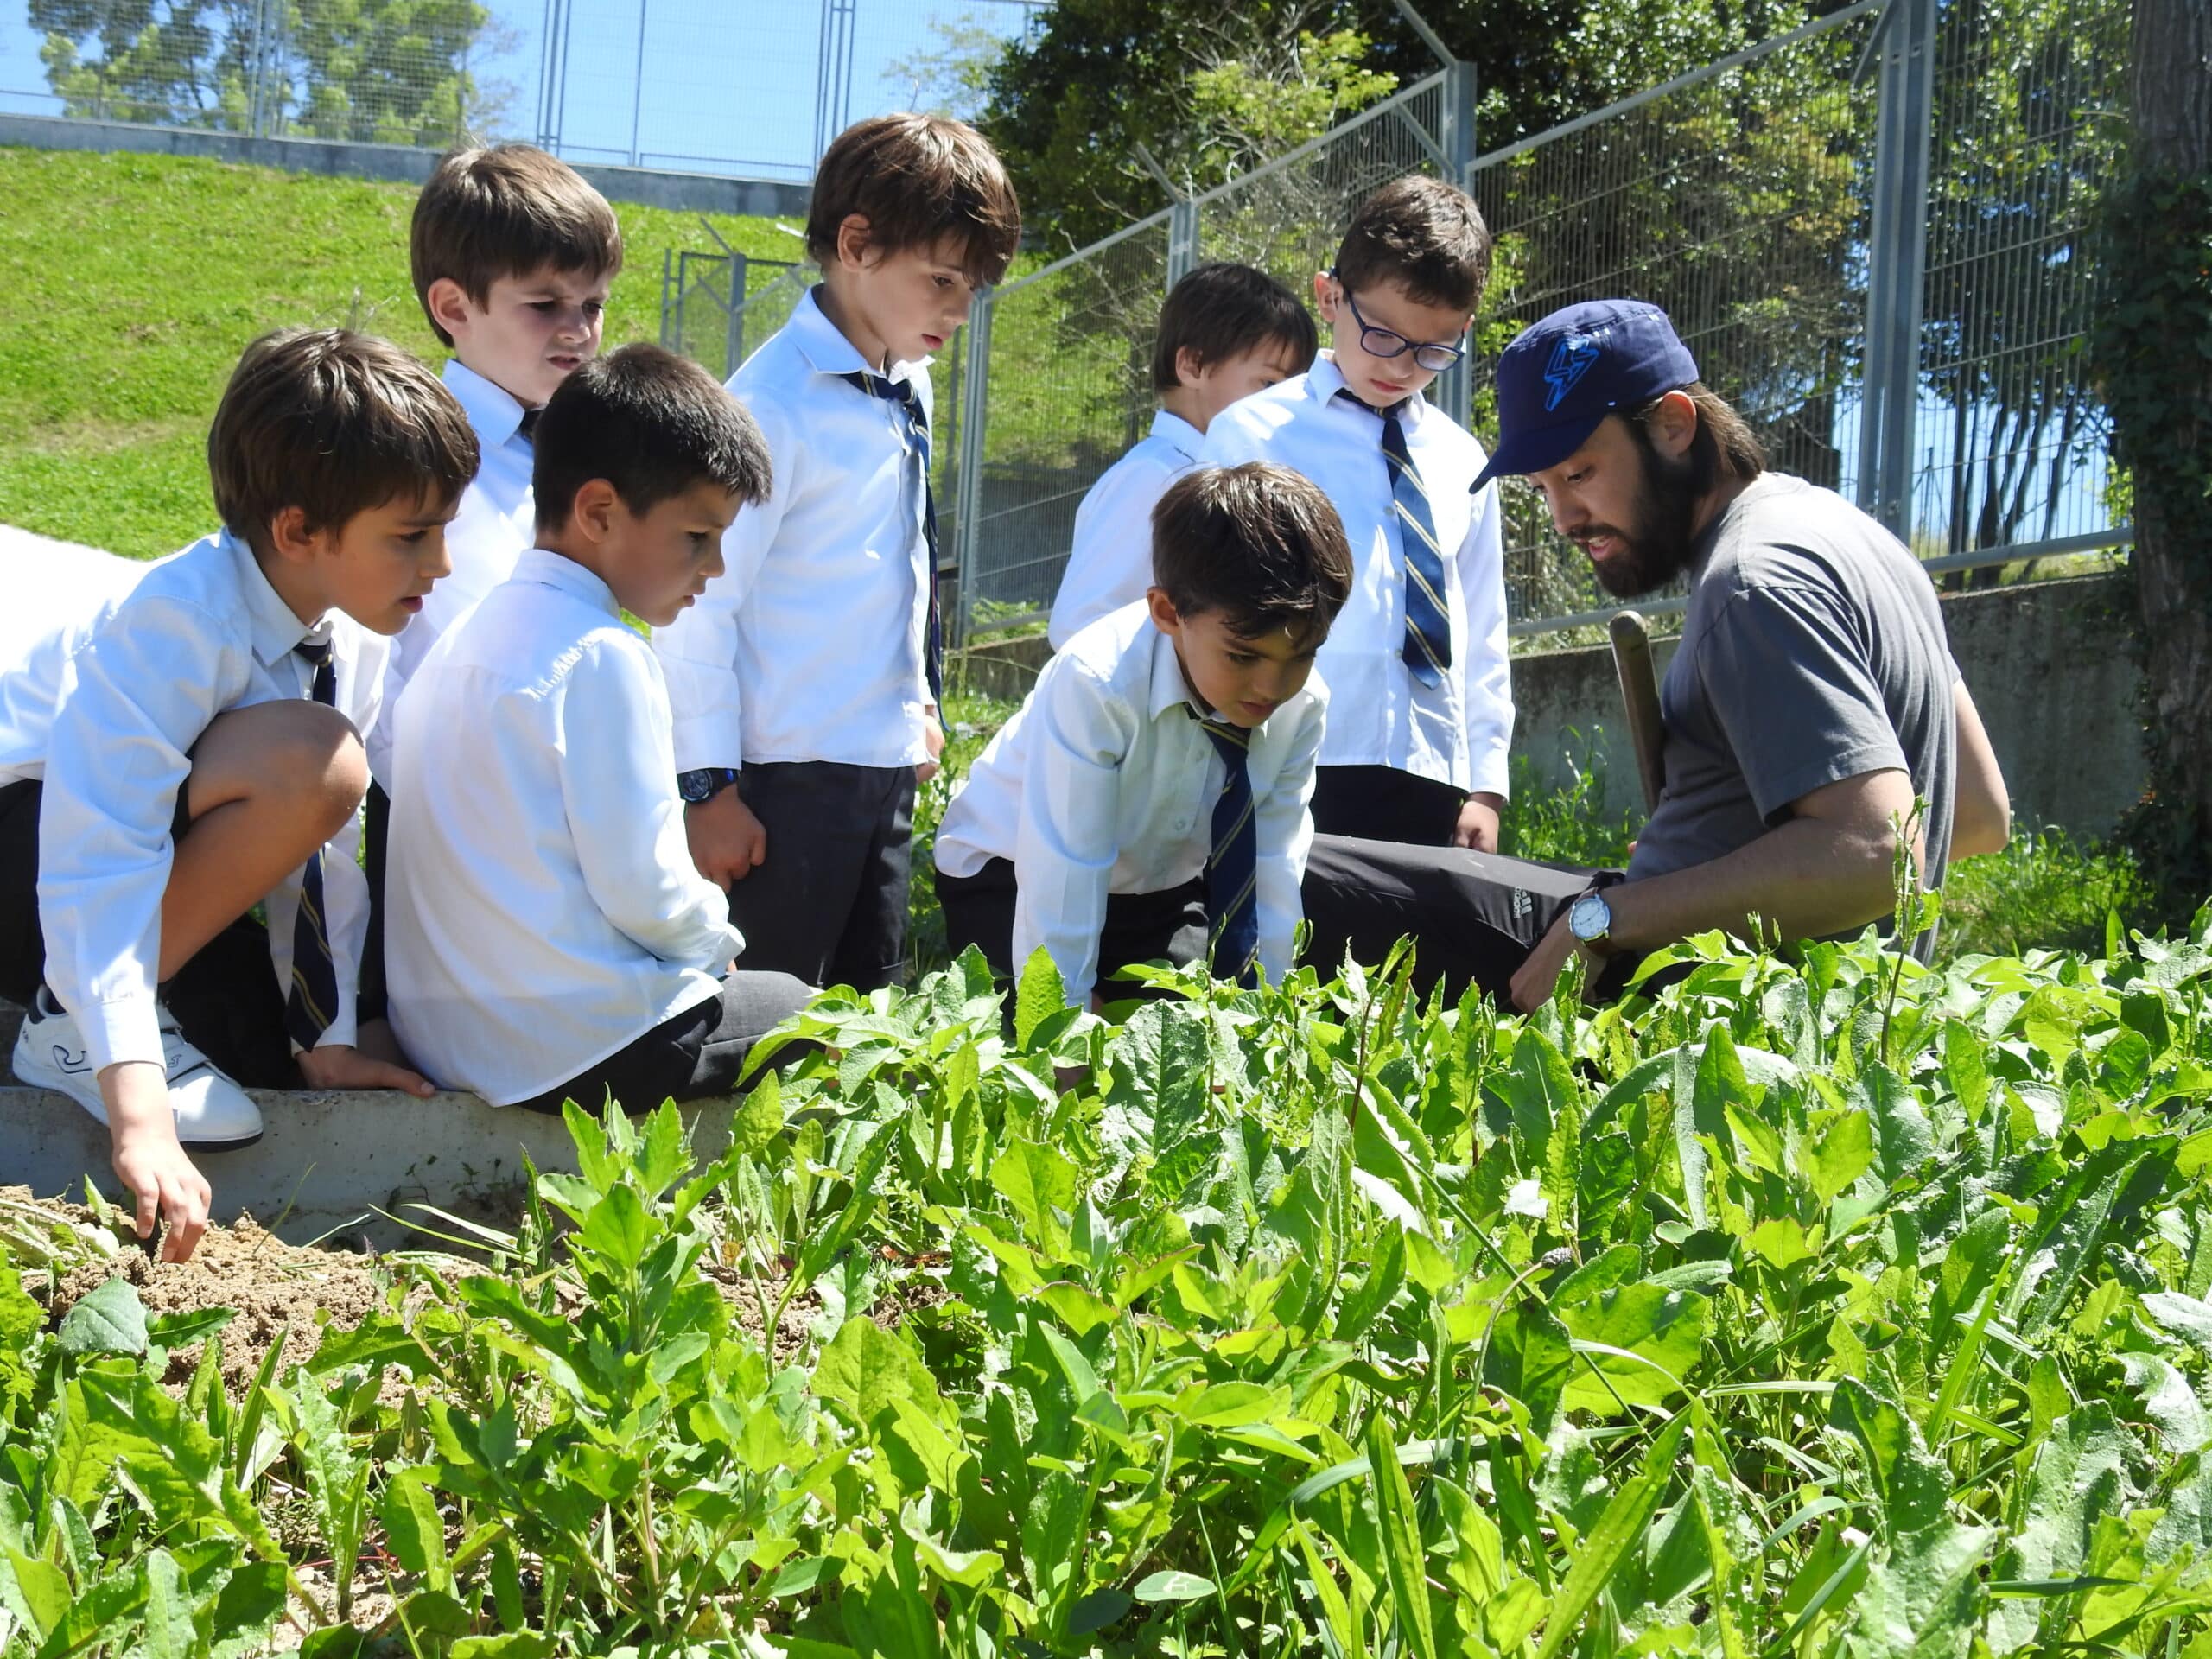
(133, 281)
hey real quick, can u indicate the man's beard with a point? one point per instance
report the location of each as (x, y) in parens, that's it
(1659, 544)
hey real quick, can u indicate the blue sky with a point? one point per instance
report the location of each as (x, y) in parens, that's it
(727, 85)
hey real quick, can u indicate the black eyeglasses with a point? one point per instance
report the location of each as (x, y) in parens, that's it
(1384, 342)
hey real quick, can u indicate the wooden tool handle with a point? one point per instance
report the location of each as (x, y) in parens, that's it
(1640, 698)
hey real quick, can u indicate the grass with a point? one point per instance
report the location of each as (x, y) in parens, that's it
(135, 280)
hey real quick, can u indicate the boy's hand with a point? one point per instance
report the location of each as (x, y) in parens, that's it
(1477, 825)
(149, 1161)
(933, 735)
(727, 842)
(339, 1065)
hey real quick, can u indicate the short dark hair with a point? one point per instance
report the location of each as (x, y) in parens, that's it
(334, 424)
(918, 180)
(1221, 311)
(507, 210)
(1724, 444)
(651, 423)
(1258, 544)
(1422, 234)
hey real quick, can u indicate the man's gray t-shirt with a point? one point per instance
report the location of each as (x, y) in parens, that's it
(1812, 651)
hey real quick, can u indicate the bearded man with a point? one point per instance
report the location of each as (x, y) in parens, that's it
(1812, 700)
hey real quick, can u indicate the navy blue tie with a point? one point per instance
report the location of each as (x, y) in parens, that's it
(1427, 647)
(311, 1002)
(902, 393)
(1233, 866)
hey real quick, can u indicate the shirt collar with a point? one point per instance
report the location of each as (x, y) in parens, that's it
(558, 571)
(1325, 380)
(1186, 438)
(275, 628)
(494, 411)
(826, 349)
(1169, 687)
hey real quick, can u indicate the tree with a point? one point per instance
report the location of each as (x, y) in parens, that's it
(2153, 346)
(953, 76)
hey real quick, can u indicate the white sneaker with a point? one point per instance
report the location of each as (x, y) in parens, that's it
(213, 1113)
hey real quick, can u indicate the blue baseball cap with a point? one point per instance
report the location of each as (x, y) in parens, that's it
(1564, 375)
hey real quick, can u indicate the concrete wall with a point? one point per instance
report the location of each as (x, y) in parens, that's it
(2050, 664)
(698, 193)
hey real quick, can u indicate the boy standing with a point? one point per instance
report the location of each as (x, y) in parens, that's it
(207, 750)
(1149, 799)
(805, 683)
(1421, 711)
(549, 938)
(1226, 332)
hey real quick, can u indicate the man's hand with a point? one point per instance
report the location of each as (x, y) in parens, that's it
(727, 842)
(1477, 825)
(933, 735)
(1535, 980)
(149, 1161)
(339, 1065)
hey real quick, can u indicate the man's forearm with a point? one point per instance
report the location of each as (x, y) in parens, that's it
(1804, 879)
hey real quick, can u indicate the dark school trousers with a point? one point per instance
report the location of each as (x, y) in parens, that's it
(1167, 926)
(698, 1054)
(1383, 803)
(372, 1001)
(828, 906)
(1473, 917)
(225, 999)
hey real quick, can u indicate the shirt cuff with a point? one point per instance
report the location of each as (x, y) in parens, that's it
(1491, 772)
(126, 1030)
(708, 739)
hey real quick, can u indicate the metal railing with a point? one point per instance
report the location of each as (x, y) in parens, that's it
(1870, 231)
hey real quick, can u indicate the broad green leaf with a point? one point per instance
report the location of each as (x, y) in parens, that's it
(759, 1118)
(36, 1592)
(1403, 1560)
(1923, 1598)
(2168, 1401)
(1913, 1485)
(1041, 995)
(1040, 1183)
(1231, 1405)
(168, 1633)
(1666, 1327)
(1838, 1148)
(1530, 1359)
(415, 1532)
(1601, 1548)
(1173, 1586)
(1780, 1242)
(866, 1368)
(111, 1320)
(618, 1228)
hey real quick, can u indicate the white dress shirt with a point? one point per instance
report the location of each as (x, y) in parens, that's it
(811, 646)
(542, 910)
(200, 634)
(1102, 783)
(1110, 563)
(59, 596)
(1456, 732)
(497, 520)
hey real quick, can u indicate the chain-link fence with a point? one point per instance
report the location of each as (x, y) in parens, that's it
(684, 84)
(1870, 232)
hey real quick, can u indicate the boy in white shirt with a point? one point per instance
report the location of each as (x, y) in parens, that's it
(206, 744)
(1148, 800)
(1422, 709)
(549, 939)
(805, 683)
(1226, 332)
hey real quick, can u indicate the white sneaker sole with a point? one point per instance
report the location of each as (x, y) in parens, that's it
(42, 1065)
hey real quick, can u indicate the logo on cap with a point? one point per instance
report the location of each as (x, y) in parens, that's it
(1571, 360)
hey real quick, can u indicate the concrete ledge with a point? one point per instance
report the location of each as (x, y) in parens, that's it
(698, 193)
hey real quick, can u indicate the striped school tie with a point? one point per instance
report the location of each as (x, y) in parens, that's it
(1427, 644)
(312, 1002)
(1232, 867)
(902, 393)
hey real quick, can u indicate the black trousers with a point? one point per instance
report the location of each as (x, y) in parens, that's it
(1473, 917)
(828, 906)
(225, 999)
(699, 1054)
(371, 1002)
(1383, 803)
(1167, 926)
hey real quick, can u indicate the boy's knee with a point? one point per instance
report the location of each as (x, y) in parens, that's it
(296, 751)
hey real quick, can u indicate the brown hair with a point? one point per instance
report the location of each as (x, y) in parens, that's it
(332, 423)
(651, 423)
(1423, 234)
(507, 210)
(1258, 544)
(1221, 311)
(918, 180)
(1724, 443)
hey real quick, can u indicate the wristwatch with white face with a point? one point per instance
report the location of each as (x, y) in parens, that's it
(1590, 921)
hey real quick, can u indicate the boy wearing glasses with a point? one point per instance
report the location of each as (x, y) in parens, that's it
(1421, 712)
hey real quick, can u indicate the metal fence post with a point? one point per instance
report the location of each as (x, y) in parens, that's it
(733, 341)
(1896, 262)
(1455, 387)
(974, 393)
(1182, 238)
